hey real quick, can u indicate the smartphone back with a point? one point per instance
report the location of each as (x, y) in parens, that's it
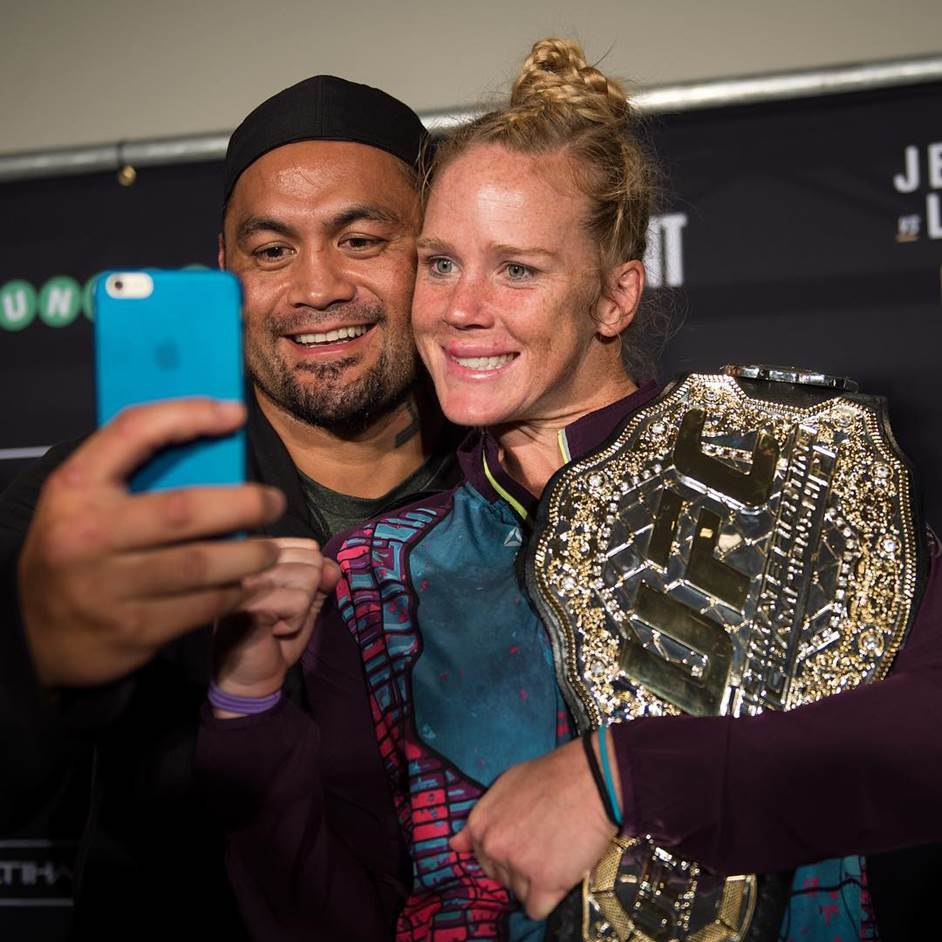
(165, 335)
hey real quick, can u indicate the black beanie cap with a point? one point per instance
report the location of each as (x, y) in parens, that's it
(325, 108)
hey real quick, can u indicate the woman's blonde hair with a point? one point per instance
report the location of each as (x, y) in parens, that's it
(560, 102)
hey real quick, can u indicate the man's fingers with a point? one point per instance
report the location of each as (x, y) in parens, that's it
(539, 903)
(147, 520)
(520, 887)
(304, 576)
(140, 628)
(191, 566)
(330, 576)
(128, 440)
(300, 555)
(307, 547)
(157, 621)
(498, 872)
(461, 842)
(282, 604)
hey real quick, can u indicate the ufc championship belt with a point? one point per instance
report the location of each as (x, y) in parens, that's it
(747, 542)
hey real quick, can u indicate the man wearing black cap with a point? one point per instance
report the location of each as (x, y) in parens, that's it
(106, 589)
(320, 222)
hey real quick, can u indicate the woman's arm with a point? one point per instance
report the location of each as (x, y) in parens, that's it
(312, 841)
(265, 779)
(856, 773)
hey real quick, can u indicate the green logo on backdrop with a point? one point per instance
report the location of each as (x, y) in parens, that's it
(17, 305)
(59, 301)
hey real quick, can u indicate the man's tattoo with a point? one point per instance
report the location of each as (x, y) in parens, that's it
(412, 429)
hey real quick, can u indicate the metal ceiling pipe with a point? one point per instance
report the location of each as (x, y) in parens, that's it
(663, 99)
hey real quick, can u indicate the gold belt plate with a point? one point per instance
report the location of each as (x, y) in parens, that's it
(739, 546)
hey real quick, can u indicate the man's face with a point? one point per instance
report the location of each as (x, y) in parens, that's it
(322, 236)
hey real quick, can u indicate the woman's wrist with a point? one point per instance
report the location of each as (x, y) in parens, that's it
(230, 701)
(610, 771)
(598, 748)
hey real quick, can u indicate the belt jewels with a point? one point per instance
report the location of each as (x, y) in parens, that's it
(747, 542)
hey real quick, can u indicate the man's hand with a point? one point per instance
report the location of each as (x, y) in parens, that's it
(257, 644)
(539, 829)
(107, 577)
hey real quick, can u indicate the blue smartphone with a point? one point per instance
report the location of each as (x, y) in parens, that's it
(164, 335)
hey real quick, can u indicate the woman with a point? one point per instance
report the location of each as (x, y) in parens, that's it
(528, 285)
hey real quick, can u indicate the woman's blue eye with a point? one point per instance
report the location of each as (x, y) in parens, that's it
(442, 266)
(517, 271)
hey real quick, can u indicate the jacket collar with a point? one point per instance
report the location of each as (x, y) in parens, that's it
(479, 453)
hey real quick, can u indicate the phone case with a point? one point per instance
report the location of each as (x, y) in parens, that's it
(183, 339)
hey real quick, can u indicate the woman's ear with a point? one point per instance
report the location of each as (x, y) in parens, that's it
(620, 297)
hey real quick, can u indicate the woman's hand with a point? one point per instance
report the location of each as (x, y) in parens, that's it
(257, 644)
(539, 829)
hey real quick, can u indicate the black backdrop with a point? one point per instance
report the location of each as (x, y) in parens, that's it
(805, 232)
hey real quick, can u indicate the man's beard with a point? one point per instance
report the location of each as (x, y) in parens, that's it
(344, 409)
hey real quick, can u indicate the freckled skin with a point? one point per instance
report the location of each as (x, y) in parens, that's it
(492, 301)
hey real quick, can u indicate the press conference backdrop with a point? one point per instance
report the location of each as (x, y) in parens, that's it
(806, 233)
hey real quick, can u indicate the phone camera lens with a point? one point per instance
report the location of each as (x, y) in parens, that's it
(119, 285)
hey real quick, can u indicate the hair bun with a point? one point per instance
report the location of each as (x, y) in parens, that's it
(556, 73)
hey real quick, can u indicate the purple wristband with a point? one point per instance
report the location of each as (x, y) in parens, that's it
(236, 704)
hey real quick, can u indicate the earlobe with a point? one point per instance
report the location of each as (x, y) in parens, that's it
(620, 298)
(221, 253)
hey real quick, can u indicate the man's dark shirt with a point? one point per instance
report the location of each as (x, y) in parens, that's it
(333, 513)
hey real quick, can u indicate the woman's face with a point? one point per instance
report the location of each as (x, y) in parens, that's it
(506, 289)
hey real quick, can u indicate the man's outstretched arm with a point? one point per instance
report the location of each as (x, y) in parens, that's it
(95, 580)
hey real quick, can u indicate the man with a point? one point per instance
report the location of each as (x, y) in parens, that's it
(321, 214)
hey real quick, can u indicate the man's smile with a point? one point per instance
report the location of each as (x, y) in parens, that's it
(319, 338)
